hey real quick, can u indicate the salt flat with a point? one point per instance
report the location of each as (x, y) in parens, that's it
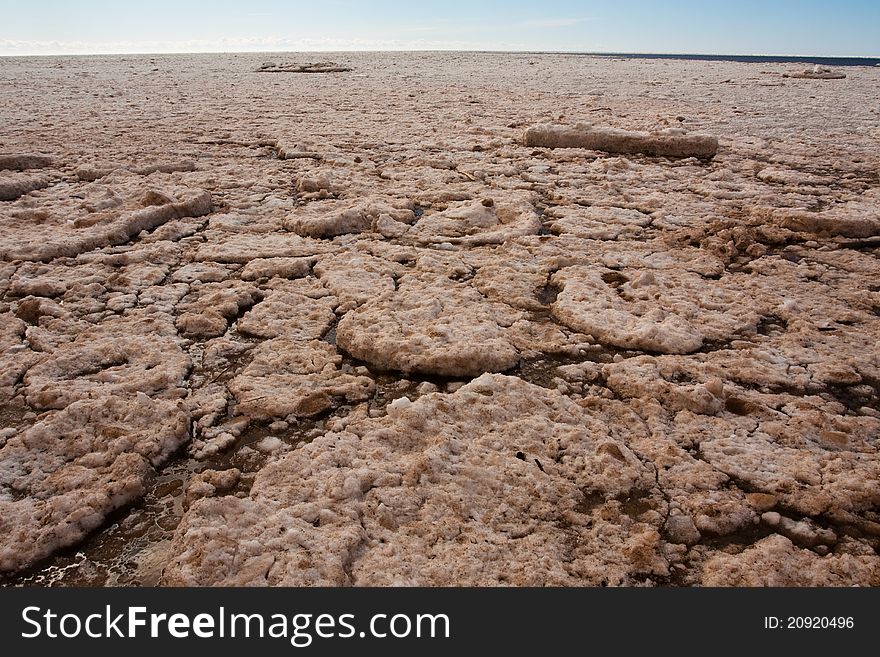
(345, 327)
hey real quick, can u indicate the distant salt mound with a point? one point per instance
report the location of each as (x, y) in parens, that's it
(816, 73)
(667, 143)
(316, 67)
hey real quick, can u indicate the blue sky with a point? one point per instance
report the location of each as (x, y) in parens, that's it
(789, 27)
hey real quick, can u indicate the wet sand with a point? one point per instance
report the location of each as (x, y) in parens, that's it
(385, 326)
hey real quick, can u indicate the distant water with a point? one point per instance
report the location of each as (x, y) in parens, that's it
(754, 59)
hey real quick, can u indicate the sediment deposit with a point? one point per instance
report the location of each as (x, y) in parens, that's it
(438, 319)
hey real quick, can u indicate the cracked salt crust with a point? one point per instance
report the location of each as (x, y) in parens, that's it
(337, 332)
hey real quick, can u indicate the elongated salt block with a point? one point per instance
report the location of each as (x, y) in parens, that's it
(92, 173)
(22, 161)
(11, 187)
(112, 228)
(668, 143)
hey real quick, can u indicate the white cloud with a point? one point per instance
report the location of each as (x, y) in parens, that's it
(442, 34)
(240, 44)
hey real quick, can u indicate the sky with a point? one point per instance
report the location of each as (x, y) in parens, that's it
(768, 27)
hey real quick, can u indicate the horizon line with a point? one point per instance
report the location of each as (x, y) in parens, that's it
(443, 50)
